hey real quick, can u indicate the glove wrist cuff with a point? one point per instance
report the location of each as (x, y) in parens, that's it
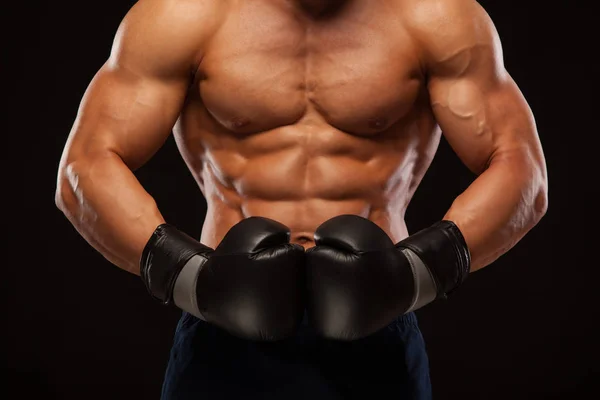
(163, 257)
(444, 251)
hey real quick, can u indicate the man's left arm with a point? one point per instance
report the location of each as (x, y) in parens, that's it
(488, 123)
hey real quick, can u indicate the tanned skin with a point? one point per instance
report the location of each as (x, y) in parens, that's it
(300, 111)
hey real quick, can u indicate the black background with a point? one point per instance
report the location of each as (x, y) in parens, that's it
(76, 327)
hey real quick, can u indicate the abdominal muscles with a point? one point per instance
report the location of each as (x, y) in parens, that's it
(305, 173)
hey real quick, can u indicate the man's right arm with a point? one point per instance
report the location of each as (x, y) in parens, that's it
(125, 116)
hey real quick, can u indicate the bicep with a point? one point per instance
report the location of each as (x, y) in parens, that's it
(126, 113)
(483, 117)
(134, 100)
(477, 104)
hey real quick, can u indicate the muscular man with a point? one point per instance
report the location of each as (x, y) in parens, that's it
(304, 122)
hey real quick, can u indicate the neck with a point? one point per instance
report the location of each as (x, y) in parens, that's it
(320, 7)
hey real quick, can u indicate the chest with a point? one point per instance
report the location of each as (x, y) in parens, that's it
(266, 68)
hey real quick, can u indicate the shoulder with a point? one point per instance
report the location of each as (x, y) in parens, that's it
(178, 9)
(447, 30)
(448, 16)
(173, 17)
(169, 30)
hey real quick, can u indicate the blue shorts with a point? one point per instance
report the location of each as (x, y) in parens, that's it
(208, 363)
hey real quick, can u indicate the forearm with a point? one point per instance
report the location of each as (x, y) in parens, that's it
(108, 206)
(500, 207)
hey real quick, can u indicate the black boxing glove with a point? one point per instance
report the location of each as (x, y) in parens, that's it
(252, 284)
(359, 281)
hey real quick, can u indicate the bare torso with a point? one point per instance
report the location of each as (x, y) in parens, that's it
(301, 118)
(285, 111)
